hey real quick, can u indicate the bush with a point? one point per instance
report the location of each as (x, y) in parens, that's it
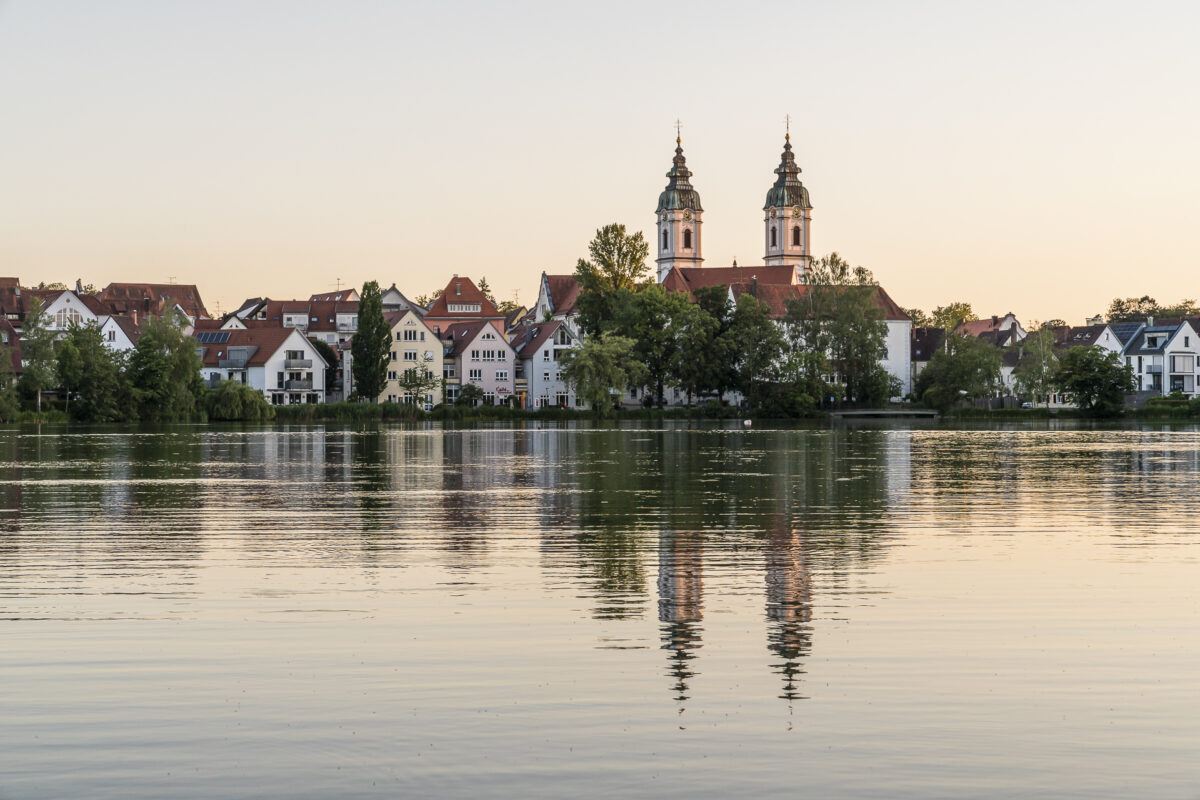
(236, 401)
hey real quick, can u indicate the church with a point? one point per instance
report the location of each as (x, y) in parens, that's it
(787, 220)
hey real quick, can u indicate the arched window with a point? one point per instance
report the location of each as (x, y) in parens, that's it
(774, 242)
(795, 236)
(687, 239)
(664, 240)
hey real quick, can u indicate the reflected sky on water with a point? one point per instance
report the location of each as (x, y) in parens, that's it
(688, 610)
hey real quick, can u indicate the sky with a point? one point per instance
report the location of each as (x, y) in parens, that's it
(1039, 158)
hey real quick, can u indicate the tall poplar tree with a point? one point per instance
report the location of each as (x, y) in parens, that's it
(371, 344)
(37, 352)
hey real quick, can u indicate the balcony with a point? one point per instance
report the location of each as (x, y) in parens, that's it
(297, 363)
(297, 386)
(232, 363)
(1154, 369)
(213, 382)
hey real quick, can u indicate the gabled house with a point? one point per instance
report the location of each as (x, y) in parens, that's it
(539, 379)
(153, 299)
(460, 301)
(925, 342)
(414, 346)
(279, 362)
(392, 299)
(119, 333)
(477, 353)
(340, 296)
(1165, 357)
(556, 299)
(1000, 331)
(65, 308)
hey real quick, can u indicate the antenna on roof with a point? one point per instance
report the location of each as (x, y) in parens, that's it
(171, 280)
(339, 284)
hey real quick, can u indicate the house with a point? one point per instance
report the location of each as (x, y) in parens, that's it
(279, 362)
(119, 333)
(460, 301)
(539, 379)
(414, 346)
(1000, 331)
(556, 299)
(332, 321)
(1165, 357)
(153, 299)
(64, 308)
(392, 299)
(477, 353)
(340, 296)
(925, 342)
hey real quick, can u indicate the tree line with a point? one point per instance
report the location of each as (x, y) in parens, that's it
(826, 350)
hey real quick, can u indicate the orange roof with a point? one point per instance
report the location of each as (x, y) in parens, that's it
(152, 298)
(564, 291)
(464, 291)
(266, 340)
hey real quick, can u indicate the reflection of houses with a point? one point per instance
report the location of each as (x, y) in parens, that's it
(680, 602)
(789, 606)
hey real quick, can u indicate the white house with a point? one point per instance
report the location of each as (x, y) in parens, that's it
(1165, 358)
(539, 352)
(119, 333)
(279, 362)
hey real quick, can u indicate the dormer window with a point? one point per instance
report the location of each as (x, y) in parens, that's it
(458, 288)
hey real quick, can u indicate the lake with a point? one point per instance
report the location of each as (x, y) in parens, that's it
(674, 610)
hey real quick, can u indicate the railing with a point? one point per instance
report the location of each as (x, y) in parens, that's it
(231, 363)
(297, 363)
(297, 386)
(214, 381)
(1154, 369)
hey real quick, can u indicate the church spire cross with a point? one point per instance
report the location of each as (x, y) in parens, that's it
(787, 123)
(678, 135)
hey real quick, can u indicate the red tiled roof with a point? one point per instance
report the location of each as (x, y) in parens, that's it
(334, 297)
(539, 333)
(267, 340)
(152, 298)
(127, 326)
(564, 291)
(776, 297)
(462, 290)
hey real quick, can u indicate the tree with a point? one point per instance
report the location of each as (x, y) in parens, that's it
(426, 299)
(37, 352)
(10, 406)
(952, 315)
(601, 368)
(164, 373)
(655, 320)
(1095, 380)
(486, 290)
(617, 266)
(919, 318)
(91, 373)
(839, 318)
(419, 381)
(1037, 365)
(371, 345)
(1053, 323)
(331, 359)
(234, 400)
(1123, 309)
(757, 345)
(470, 395)
(966, 369)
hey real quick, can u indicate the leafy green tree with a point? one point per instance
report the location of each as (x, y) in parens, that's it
(1037, 365)
(371, 345)
(37, 353)
(1053, 323)
(10, 405)
(757, 345)
(164, 372)
(919, 318)
(486, 290)
(234, 400)
(952, 315)
(429, 297)
(331, 359)
(1095, 380)
(708, 357)
(1123, 309)
(655, 320)
(601, 368)
(93, 374)
(420, 381)
(616, 267)
(839, 318)
(469, 395)
(965, 369)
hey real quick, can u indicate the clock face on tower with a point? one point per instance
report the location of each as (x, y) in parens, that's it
(796, 211)
(687, 216)
(773, 212)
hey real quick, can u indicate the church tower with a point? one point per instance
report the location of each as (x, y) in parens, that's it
(678, 213)
(788, 213)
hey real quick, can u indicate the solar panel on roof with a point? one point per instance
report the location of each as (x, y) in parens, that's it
(212, 337)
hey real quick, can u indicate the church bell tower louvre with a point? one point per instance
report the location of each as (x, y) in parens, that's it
(788, 214)
(678, 214)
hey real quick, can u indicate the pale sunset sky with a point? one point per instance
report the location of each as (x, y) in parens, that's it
(1039, 158)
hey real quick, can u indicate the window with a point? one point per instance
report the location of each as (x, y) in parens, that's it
(410, 355)
(489, 398)
(795, 236)
(664, 240)
(687, 239)
(773, 242)
(545, 355)
(463, 308)
(279, 381)
(1185, 342)
(393, 355)
(474, 355)
(399, 336)
(112, 336)
(502, 375)
(392, 375)
(448, 371)
(410, 335)
(546, 376)
(475, 375)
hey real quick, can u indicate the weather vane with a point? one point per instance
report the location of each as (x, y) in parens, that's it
(787, 123)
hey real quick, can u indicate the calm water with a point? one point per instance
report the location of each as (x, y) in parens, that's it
(678, 612)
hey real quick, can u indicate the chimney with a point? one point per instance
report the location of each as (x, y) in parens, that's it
(78, 286)
(995, 320)
(133, 314)
(754, 286)
(1149, 322)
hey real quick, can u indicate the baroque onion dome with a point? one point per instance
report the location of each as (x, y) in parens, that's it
(679, 193)
(788, 191)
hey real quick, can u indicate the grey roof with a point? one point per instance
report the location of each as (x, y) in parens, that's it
(788, 191)
(679, 192)
(1138, 346)
(1124, 331)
